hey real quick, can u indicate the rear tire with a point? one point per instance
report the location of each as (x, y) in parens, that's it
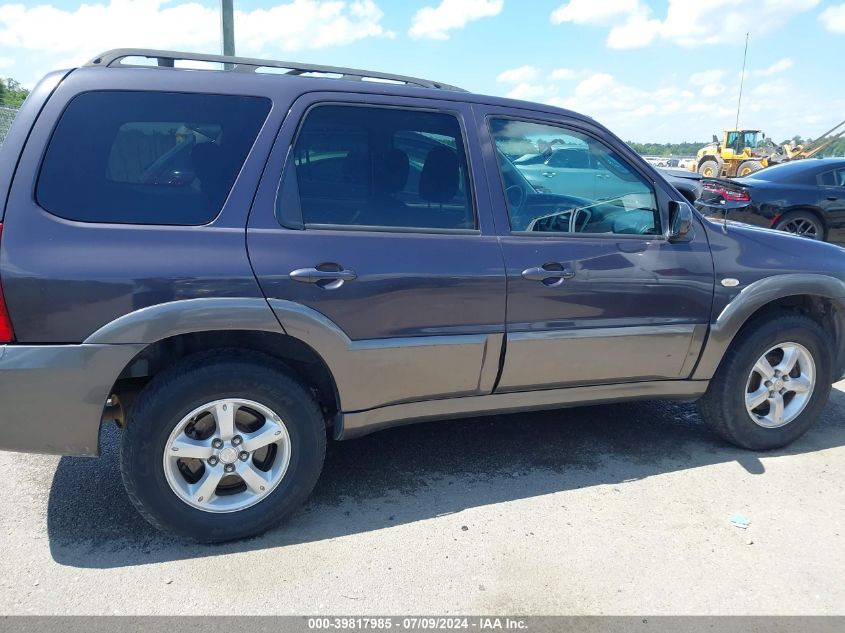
(803, 223)
(726, 406)
(277, 440)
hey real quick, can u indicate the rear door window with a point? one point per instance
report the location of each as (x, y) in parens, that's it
(378, 167)
(147, 157)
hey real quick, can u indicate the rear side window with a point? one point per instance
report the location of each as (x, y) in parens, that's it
(835, 178)
(368, 166)
(147, 157)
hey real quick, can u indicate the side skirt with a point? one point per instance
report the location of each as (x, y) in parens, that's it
(359, 423)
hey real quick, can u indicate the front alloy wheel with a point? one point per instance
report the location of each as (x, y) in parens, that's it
(780, 385)
(773, 381)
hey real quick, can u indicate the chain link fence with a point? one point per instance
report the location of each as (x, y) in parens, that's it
(7, 115)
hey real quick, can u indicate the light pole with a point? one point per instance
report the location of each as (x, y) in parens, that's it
(227, 26)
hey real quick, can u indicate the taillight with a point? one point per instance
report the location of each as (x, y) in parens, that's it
(728, 193)
(7, 335)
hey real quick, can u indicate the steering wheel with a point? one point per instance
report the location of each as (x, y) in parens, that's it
(586, 214)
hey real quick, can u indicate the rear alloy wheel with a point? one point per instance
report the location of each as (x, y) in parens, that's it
(222, 446)
(227, 455)
(801, 223)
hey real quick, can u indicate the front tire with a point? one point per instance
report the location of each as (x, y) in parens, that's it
(709, 169)
(222, 446)
(772, 383)
(748, 167)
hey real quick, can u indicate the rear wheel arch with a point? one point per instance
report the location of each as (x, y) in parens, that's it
(302, 360)
(804, 209)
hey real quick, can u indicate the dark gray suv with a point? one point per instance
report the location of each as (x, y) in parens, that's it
(237, 263)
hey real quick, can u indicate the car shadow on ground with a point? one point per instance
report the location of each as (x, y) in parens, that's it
(419, 472)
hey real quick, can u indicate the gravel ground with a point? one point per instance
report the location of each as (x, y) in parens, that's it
(621, 509)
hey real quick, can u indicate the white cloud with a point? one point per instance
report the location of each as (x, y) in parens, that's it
(636, 33)
(778, 67)
(594, 84)
(518, 75)
(604, 12)
(563, 74)
(6, 62)
(669, 110)
(528, 91)
(436, 22)
(833, 18)
(294, 25)
(706, 77)
(712, 90)
(633, 24)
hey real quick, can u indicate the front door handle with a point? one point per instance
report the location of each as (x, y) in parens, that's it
(549, 174)
(549, 274)
(325, 278)
(832, 198)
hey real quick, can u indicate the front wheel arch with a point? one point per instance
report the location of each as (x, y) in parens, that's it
(821, 297)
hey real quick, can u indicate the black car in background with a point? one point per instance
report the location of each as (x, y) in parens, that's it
(805, 197)
(688, 183)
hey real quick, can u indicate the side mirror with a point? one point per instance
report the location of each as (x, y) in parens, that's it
(680, 222)
(715, 139)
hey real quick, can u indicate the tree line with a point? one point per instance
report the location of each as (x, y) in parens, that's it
(12, 94)
(690, 149)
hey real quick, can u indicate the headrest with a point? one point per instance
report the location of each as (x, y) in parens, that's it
(207, 159)
(356, 166)
(392, 173)
(440, 175)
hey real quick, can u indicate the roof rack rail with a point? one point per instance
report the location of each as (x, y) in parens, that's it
(168, 59)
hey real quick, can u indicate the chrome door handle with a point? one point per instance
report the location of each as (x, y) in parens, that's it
(315, 275)
(545, 274)
(549, 174)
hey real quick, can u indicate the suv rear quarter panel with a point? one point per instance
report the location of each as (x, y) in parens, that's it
(64, 280)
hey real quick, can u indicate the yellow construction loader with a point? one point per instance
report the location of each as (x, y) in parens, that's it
(742, 152)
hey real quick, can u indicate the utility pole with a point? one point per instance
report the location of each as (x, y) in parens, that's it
(227, 26)
(741, 82)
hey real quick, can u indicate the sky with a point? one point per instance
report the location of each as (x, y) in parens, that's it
(652, 71)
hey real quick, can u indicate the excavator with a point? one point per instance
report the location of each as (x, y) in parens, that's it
(742, 152)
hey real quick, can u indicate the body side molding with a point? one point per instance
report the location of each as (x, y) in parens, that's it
(752, 298)
(365, 422)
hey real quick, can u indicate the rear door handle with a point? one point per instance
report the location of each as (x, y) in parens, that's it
(832, 198)
(548, 274)
(315, 275)
(549, 174)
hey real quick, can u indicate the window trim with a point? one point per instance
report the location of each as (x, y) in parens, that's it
(310, 226)
(660, 235)
(832, 171)
(66, 106)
